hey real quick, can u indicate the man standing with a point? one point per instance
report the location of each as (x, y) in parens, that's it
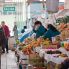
(7, 33)
(15, 31)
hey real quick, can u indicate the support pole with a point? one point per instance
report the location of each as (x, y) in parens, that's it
(0, 60)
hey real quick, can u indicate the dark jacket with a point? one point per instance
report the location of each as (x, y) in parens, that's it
(2, 37)
(40, 32)
(50, 33)
(6, 31)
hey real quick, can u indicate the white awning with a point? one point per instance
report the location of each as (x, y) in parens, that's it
(62, 13)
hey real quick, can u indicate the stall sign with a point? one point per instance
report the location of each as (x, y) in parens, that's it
(8, 8)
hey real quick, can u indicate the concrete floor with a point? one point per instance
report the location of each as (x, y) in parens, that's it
(8, 61)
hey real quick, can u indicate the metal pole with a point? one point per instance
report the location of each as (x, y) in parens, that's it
(0, 59)
(43, 2)
(0, 56)
(25, 6)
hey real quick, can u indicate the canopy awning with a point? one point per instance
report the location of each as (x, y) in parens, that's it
(62, 13)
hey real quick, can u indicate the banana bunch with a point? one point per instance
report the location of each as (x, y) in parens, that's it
(17, 42)
(21, 44)
(46, 43)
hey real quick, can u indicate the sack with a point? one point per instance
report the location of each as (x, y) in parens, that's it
(11, 42)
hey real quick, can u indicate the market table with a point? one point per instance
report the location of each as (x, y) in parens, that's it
(22, 59)
(50, 57)
(22, 56)
(57, 60)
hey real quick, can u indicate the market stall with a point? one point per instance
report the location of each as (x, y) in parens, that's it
(42, 49)
(44, 53)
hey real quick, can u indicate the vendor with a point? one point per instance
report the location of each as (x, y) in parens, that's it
(51, 32)
(23, 30)
(39, 29)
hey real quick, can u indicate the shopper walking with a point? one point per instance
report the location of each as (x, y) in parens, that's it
(7, 33)
(2, 40)
(15, 31)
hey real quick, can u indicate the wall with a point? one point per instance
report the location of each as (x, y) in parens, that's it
(66, 4)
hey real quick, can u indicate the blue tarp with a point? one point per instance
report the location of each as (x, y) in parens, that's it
(24, 36)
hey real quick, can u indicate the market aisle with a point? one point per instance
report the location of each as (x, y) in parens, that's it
(8, 61)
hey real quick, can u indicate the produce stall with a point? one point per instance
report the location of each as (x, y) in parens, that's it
(42, 53)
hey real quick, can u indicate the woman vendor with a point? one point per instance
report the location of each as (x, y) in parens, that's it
(51, 32)
(39, 29)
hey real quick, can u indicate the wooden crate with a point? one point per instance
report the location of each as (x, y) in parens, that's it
(52, 65)
(50, 47)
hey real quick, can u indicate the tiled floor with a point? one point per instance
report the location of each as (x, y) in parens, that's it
(8, 61)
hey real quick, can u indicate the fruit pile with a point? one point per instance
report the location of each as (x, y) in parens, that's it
(21, 44)
(62, 26)
(17, 42)
(66, 46)
(62, 55)
(46, 42)
(29, 43)
(64, 29)
(27, 40)
(28, 49)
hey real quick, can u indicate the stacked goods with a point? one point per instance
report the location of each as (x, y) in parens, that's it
(27, 49)
(34, 43)
(17, 42)
(28, 45)
(62, 26)
(63, 37)
(50, 47)
(66, 46)
(47, 44)
(27, 40)
(58, 39)
(21, 44)
(67, 31)
(64, 29)
(62, 55)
